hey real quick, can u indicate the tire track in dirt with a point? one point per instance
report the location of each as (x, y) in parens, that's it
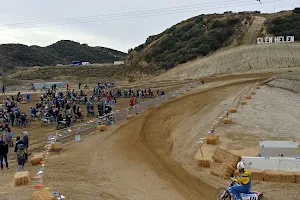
(149, 134)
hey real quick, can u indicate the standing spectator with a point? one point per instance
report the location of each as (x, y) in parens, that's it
(26, 143)
(54, 87)
(68, 87)
(12, 118)
(19, 141)
(3, 154)
(79, 85)
(28, 97)
(3, 90)
(21, 155)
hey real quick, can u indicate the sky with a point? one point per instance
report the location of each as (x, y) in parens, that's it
(117, 24)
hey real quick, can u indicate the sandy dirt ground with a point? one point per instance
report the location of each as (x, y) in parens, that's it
(246, 58)
(150, 157)
(271, 114)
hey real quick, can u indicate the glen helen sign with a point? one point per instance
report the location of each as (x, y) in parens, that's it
(277, 39)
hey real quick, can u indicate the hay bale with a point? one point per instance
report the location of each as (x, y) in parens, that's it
(36, 159)
(257, 87)
(204, 163)
(236, 173)
(279, 176)
(43, 195)
(23, 102)
(232, 110)
(56, 146)
(257, 174)
(102, 128)
(212, 139)
(221, 169)
(253, 93)
(297, 177)
(249, 97)
(227, 121)
(129, 117)
(21, 178)
(243, 102)
(223, 156)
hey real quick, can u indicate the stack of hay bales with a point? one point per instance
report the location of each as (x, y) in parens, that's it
(21, 178)
(129, 117)
(257, 87)
(221, 169)
(279, 176)
(43, 195)
(232, 110)
(23, 102)
(227, 121)
(249, 97)
(36, 159)
(253, 93)
(223, 156)
(243, 102)
(224, 163)
(102, 128)
(212, 139)
(204, 163)
(256, 174)
(56, 146)
(297, 177)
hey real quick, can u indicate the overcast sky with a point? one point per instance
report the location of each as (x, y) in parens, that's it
(115, 31)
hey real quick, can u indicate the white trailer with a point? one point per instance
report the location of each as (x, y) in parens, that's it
(279, 149)
(85, 63)
(119, 62)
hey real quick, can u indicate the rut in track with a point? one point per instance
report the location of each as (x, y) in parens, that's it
(150, 135)
(134, 160)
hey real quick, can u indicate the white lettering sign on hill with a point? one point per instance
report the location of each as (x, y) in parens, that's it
(278, 39)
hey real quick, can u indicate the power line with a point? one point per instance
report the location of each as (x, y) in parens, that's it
(128, 13)
(122, 16)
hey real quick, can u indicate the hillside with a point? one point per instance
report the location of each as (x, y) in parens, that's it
(203, 35)
(62, 52)
(246, 58)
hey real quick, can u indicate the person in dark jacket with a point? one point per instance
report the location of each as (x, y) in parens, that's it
(21, 155)
(3, 154)
(26, 143)
(19, 141)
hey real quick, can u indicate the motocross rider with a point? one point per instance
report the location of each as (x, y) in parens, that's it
(243, 182)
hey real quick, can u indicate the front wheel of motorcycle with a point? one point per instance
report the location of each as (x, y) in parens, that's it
(222, 194)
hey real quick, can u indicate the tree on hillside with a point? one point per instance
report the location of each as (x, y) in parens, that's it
(297, 10)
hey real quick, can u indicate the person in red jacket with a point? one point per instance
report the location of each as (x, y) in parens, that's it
(132, 101)
(3, 153)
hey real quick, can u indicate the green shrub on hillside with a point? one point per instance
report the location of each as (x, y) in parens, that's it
(285, 26)
(62, 52)
(296, 10)
(189, 40)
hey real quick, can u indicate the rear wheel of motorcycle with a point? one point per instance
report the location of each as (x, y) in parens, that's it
(219, 192)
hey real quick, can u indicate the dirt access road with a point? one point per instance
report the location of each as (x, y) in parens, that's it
(136, 160)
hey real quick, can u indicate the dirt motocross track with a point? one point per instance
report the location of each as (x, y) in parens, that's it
(136, 160)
